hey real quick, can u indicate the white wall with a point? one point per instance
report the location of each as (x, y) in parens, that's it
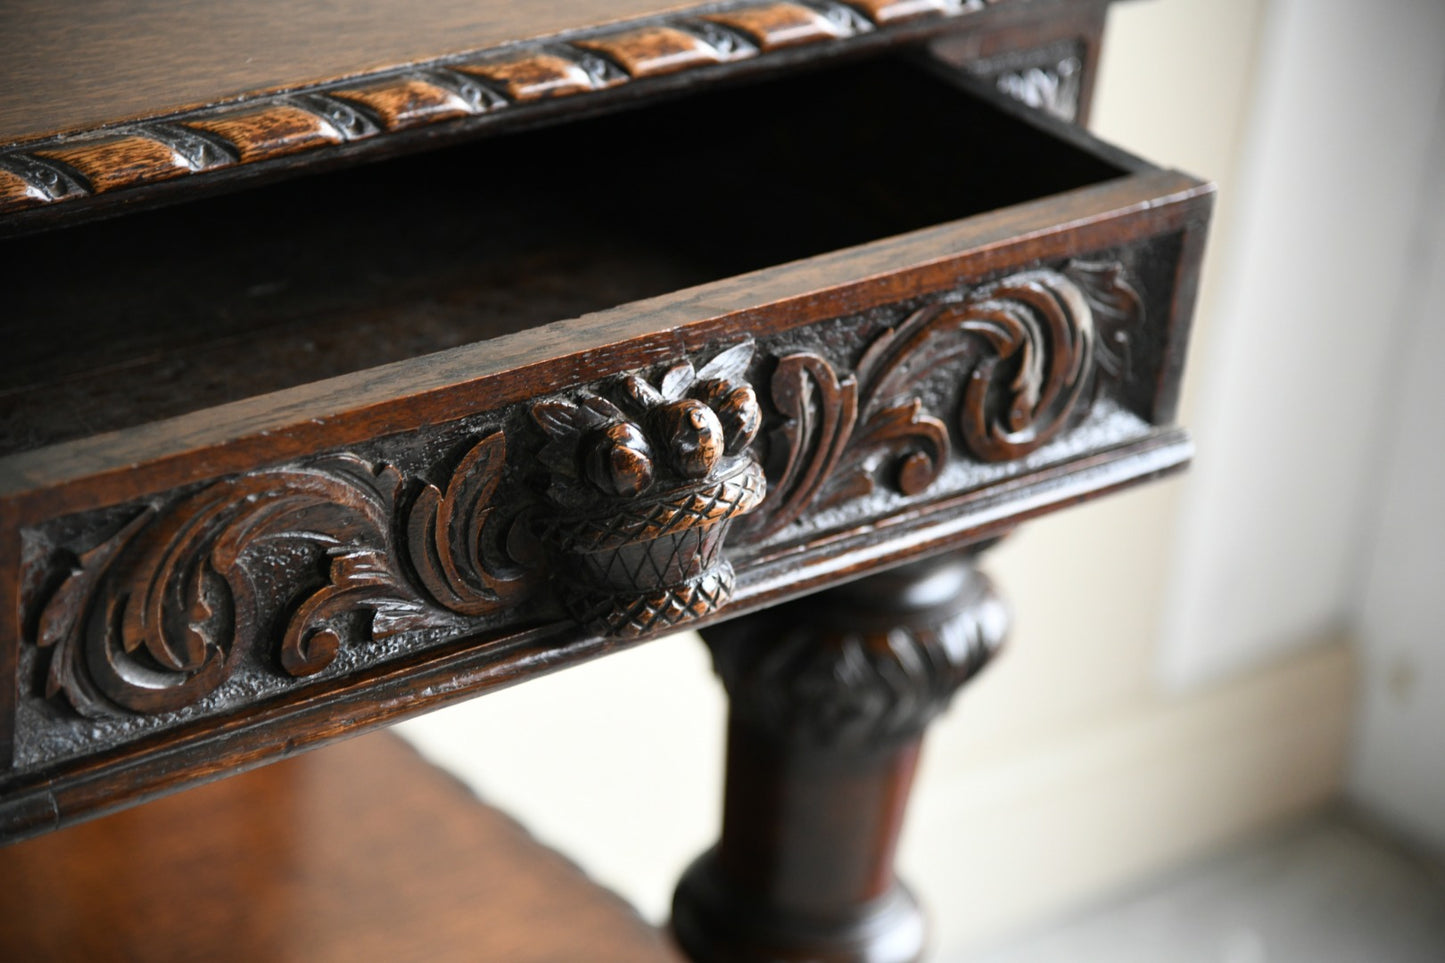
(1315, 506)
(617, 763)
(1299, 374)
(1399, 757)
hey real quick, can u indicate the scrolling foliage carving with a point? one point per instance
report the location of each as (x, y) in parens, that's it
(644, 488)
(318, 555)
(1027, 348)
(284, 569)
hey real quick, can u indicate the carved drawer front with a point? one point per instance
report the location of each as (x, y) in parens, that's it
(314, 456)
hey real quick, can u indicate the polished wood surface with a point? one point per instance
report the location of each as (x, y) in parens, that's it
(67, 67)
(94, 148)
(733, 303)
(359, 852)
(829, 697)
(195, 594)
(376, 266)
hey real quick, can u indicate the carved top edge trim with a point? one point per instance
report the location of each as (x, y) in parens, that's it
(81, 164)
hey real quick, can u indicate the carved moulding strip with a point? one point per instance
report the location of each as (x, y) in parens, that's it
(80, 164)
(1030, 346)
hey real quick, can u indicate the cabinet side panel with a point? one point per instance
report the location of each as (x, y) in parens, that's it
(1047, 62)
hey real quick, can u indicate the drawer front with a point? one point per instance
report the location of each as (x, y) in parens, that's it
(204, 593)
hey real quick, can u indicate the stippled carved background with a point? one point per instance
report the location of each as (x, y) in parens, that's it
(623, 505)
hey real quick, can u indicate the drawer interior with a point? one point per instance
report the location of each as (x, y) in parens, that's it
(154, 314)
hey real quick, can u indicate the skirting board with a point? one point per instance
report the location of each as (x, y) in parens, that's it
(623, 774)
(1035, 834)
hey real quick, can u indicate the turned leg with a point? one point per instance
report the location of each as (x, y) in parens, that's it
(829, 699)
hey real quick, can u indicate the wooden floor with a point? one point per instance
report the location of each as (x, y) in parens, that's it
(358, 851)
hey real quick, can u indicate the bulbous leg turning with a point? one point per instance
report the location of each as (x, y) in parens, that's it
(829, 699)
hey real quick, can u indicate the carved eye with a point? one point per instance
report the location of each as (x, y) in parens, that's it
(694, 436)
(618, 460)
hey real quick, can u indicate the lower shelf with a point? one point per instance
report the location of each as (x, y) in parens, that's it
(360, 851)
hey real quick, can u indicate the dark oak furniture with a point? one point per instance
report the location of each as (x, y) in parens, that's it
(362, 852)
(360, 359)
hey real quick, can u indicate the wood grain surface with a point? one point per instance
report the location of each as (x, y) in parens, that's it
(99, 469)
(139, 102)
(736, 302)
(395, 260)
(205, 592)
(67, 67)
(361, 852)
(828, 699)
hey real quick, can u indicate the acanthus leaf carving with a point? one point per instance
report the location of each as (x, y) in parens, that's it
(285, 568)
(1055, 88)
(160, 614)
(447, 536)
(819, 410)
(919, 442)
(1040, 332)
(1030, 345)
(1117, 307)
(831, 671)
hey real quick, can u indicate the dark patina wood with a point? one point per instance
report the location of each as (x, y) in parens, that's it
(98, 116)
(392, 261)
(829, 699)
(361, 852)
(274, 558)
(198, 593)
(731, 304)
(1048, 63)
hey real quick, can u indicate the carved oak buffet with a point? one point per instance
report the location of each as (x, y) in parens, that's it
(403, 364)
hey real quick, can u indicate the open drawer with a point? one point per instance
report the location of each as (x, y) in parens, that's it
(316, 455)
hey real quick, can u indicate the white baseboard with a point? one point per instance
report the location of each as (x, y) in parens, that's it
(1016, 841)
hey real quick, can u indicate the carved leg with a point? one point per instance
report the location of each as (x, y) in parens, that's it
(830, 696)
